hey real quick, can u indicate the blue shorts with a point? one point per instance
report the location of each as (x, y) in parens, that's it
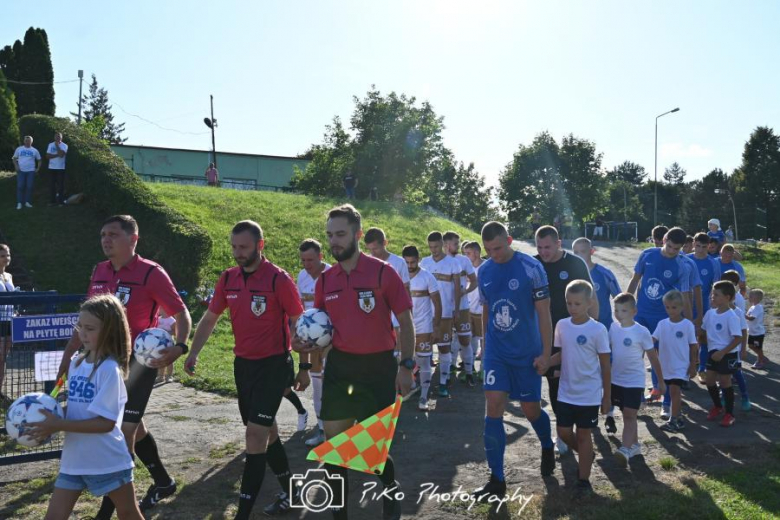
(98, 485)
(521, 383)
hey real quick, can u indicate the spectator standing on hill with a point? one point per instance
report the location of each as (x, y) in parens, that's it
(373, 194)
(729, 234)
(350, 183)
(212, 175)
(536, 221)
(56, 152)
(27, 162)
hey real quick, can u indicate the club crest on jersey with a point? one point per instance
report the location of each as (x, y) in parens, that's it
(502, 318)
(654, 288)
(596, 287)
(581, 339)
(514, 284)
(123, 294)
(719, 326)
(667, 274)
(258, 305)
(679, 334)
(366, 301)
(627, 342)
(563, 275)
(704, 272)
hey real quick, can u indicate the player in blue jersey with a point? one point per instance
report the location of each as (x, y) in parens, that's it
(660, 269)
(709, 273)
(728, 262)
(518, 341)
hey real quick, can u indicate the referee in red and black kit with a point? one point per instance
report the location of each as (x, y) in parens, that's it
(362, 376)
(263, 301)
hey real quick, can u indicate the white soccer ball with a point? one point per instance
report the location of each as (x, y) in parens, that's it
(149, 345)
(27, 410)
(314, 326)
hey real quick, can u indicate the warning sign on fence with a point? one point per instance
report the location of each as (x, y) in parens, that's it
(43, 327)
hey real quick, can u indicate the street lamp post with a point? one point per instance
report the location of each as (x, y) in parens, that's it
(212, 123)
(733, 208)
(655, 195)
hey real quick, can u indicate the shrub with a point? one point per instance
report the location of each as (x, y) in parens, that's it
(110, 187)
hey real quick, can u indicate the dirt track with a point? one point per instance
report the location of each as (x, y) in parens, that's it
(201, 439)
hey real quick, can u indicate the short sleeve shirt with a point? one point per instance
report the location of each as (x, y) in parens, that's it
(58, 163)
(659, 276)
(735, 266)
(475, 302)
(719, 235)
(629, 345)
(422, 286)
(756, 325)
(306, 287)
(568, 268)
(721, 328)
(142, 286)
(446, 271)
(359, 305)
(509, 291)
(466, 270)
(261, 305)
(606, 286)
(709, 273)
(674, 347)
(26, 158)
(580, 345)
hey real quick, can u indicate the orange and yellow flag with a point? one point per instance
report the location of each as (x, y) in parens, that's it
(365, 446)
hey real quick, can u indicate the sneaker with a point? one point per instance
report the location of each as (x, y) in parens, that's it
(27, 205)
(422, 405)
(493, 488)
(665, 413)
(391, 506)
(156, 493)
(303, 418)
(728, 420)
(561, 447)
(315, 440)
(158, 379)
(548, 461)
(610, 425)
(670, 427)
(444, 392)
(470, 380)
(583, 489)
(757, 365)
(714, 413)
(635, 450)
(18, 206)
(653, 396)
(746, 404)
(282, 504)
(169, 379)
(621, 456)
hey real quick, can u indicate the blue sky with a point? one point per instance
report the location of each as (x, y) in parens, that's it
(499, 72)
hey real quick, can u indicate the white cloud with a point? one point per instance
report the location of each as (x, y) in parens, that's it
(679, 150)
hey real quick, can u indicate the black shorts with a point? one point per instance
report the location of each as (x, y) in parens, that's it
(356, 386)
(551, 370)
(728, 364)
(755, 342)
(139, 383)
(676, 382)
(5, 330)
(567, 415)
(624, 397)
(260, 384)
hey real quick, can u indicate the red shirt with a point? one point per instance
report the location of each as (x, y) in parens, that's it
(142, 286)
(260, 309)
(359, 304)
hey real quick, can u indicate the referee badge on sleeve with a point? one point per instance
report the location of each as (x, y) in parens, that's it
(366, 301)
(258, 305)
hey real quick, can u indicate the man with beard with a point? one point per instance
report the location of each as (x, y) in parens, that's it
(362, 377)
(263, 302)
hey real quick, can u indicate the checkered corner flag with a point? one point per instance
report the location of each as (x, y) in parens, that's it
(365, 446)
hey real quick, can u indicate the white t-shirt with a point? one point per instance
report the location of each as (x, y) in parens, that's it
(581, 382)
(26, 158)
(756, 326)
(466, 269)
(399, 266)
(446, 271)
(58, 163)
(739, 301)
(475, 302)
(104, 395)
(674, 347)
(721, 329)
(628, 350)
(6, 285)
(422, 285)
(743, 324)
(306, 286)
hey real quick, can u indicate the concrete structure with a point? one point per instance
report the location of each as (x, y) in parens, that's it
(236, 170)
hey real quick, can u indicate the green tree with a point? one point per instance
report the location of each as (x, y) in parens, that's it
(757, 180)
(702, 203)
(629, 172)
(29, 63)
(675, 174)
(329, 162)
(96, 104)
(460, 192)
(9, 124)
(580, 170)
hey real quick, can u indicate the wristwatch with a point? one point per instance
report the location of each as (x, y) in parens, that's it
(184, 347)
(407, 363)
(304, 366)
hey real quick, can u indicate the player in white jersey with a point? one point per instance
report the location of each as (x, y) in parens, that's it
(311, 257)
(426, 311)
(473, 252)
(447, 272)
(462, 325)
(376, 243)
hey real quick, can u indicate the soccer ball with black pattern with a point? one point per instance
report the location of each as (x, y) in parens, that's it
(149, 345)
(27, 410)
(315, 327)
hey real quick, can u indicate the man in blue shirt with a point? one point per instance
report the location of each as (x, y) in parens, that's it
(604, 282)
(728, 263)
(709, 273)
(518, 339)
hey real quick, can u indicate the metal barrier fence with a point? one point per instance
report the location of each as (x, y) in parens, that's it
(21, 376)
(235, 184)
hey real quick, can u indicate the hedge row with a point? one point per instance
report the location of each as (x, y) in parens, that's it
(111, 187)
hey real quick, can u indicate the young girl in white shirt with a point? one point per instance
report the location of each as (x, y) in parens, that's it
(6, 313)
(94, 453)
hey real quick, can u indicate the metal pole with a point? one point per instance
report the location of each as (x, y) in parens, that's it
(625, 204)
(213, 124)
(81, 83)
(734, 208)
(655, 177)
